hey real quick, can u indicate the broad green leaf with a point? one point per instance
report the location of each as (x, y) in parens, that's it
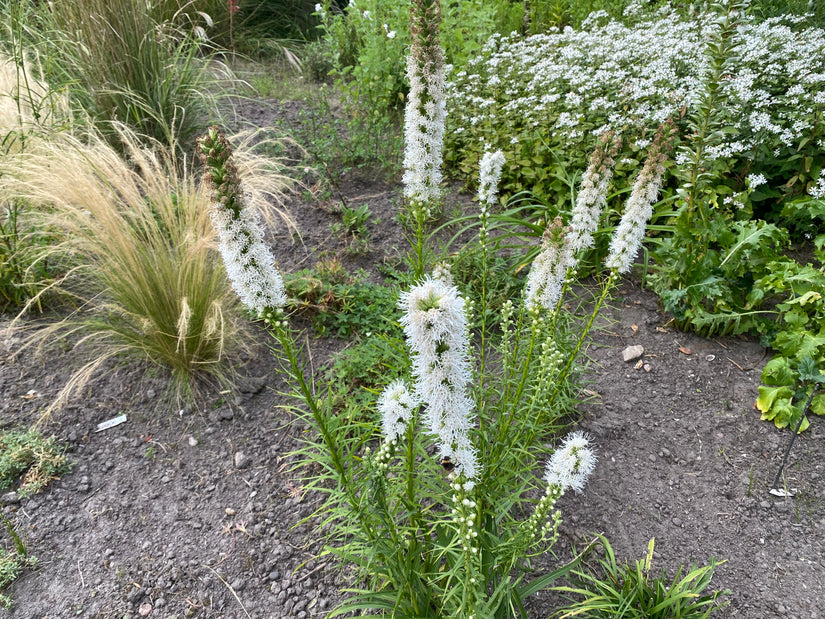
(768, 397)
(818, 404)
(778, 371)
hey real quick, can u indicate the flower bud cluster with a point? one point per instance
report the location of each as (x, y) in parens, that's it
(543, 523)
(550, 361)
(386, 451)
(465, 515)
(250, 265)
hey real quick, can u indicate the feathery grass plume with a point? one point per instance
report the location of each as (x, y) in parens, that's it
(627, 239)
(137, 240)
(250, 265)
(426, 109)
(436, 331)
(559, 255)
(27, 103)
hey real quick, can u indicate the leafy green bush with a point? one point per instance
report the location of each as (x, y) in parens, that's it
(613, 590)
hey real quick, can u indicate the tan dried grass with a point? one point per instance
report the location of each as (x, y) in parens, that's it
(141, 258)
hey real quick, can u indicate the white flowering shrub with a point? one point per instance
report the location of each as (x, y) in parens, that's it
(564, 88)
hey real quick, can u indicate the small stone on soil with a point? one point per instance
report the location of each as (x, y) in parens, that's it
(631, 353)
(242, 461)
(10, 498)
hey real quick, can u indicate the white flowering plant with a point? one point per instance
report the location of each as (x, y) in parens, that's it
(437, 500)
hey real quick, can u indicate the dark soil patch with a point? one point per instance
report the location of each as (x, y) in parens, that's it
(197, 513)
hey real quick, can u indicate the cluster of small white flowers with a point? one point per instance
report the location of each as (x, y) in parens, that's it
(424, 117)
(390, 33)
(755, 180)
(590, 202)
(250, 265)
(546, 277)
(627, 239)
(818, 190)
(396, 405)
(436, 332)
(636, 76)
(571, 464)
(489, 176)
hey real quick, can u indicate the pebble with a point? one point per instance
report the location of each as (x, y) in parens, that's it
(10, 498)
(238, 584)
(193, 442)
(242, 461)
(631, 353)
(229, 511)
(677, 522)
(145, 609)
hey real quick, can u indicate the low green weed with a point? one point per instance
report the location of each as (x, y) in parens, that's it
(614, 590)
(341, 304)
(28, 461)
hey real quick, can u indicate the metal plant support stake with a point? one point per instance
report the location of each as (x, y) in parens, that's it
(774, 488)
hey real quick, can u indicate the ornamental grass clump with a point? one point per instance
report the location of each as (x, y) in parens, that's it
(135, 243)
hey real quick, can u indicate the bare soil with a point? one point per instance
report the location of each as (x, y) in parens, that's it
(198, 513)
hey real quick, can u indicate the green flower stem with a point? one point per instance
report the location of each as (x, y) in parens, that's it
(608, 286)
(276, 321)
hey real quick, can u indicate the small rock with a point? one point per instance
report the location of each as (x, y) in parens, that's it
(226, 414)
(145, 609)
(193, 442)
(238, 584)
(274, 575)
(10, 498)
(229, 511)
(647, 367)
(677, 522)
(631, 353)
(242, 461)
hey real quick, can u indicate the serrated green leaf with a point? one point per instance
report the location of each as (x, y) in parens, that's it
(768, 397)
(808, 371)
(778, 372)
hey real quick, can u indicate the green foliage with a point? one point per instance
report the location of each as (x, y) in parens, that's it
(18, 276)
(122, 65)
(28, 462)
(339, 138)
(797, 337)
(361, 371)
(341, 304)
(613, 590)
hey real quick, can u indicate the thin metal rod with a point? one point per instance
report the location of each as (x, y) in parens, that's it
(793, 438)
